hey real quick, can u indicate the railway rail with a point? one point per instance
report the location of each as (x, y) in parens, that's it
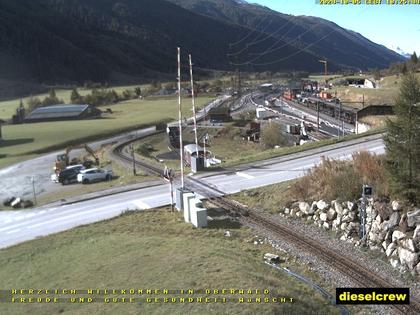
(360, 275)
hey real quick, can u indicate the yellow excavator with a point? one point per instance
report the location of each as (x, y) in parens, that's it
(63, 160)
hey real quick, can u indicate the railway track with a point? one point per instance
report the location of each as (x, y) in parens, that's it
(360, 275)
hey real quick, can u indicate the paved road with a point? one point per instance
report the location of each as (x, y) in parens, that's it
(18, 226)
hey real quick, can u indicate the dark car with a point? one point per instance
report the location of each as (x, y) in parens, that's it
(69, 175)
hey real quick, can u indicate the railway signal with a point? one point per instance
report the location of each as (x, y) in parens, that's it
(134, 159)
(367, 191)
(169, 176)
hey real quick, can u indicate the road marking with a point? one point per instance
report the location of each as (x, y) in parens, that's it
(63, 218)
(244, 175)
(13, 231)
(141, 205)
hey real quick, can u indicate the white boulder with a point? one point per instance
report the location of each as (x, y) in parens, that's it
(408, 258)
(321, 205)
(409, 244)
(331, 214)
(390, 249)
(416, 234)
(338, 208)
(394, 263)
(396, 206)
(397, 235)
(413, 218)
(304, 207)
(323, 216)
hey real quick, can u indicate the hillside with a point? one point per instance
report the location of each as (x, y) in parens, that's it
(73, 41)
(58, 41)
(318, 36)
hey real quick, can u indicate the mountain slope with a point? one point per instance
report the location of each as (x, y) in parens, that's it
(323, 38)
(102, 40)
(73, 41)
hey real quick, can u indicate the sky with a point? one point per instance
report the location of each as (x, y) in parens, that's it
(390, 25)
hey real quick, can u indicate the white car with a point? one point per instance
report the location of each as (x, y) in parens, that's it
(94, 175)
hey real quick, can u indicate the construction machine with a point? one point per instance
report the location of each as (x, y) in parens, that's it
(63, 160)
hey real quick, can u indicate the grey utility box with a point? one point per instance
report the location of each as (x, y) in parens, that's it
(180, 198)
(197, 164)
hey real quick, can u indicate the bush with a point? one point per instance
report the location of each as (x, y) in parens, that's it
(335, 179)
(271, 136)
(144, 149)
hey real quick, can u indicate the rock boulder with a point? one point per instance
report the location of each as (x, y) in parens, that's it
(413, 218)
(408, 258)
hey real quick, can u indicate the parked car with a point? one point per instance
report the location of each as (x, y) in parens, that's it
(94, 175)
(69, 174)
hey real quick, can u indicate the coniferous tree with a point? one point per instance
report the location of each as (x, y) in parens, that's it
(404, 69)
(414, 58)
(75, 97)
(402, 141)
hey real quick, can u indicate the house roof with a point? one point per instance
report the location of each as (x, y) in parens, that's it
(191, 148)
(58, 111)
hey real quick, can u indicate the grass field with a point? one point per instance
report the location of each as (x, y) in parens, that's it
(153, 250)
(233, 151)
(226, 144)
(25, 139)
(8, 108)
(269, 198)
(385, 93)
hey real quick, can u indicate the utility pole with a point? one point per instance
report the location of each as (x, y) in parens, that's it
(134, 159)
(239, 85)
(181, 146)
(33, 189)
(193, 107)
(317, 109)
(204, 145)
(339, 119)
(325, 69)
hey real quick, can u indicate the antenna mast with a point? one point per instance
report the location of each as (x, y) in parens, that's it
(193, 106)
(181, 146)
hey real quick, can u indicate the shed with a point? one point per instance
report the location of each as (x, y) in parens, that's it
(266, 87)
(219, 114)
(369, 84)
(190, 150)
(62, 112)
